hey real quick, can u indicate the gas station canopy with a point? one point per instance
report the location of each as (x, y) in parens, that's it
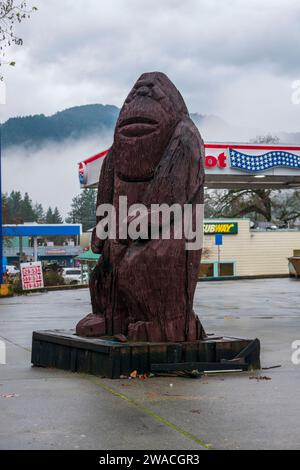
(42, 230)
(230, 166)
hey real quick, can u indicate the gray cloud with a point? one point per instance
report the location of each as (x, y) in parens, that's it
(236, 59)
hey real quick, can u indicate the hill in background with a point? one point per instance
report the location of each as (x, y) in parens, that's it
(76, 122)
(98, 120)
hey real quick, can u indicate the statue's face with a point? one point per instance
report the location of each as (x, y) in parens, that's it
(145, 126)
(147, 110)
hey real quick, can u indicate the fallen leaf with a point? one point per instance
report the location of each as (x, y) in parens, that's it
(9, 395)
(143, 376)
(120, 338)
(134, 374)
(262, 377)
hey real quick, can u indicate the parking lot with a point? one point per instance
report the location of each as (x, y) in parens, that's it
(50, 409)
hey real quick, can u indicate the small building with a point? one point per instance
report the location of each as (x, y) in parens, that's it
(50, 243)
(246, 251)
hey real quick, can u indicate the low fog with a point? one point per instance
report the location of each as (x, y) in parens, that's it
(50, 174)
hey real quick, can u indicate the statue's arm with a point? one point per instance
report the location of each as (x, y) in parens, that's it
(180, 175)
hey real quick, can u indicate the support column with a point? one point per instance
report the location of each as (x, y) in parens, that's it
(35, 249)
(20, 250)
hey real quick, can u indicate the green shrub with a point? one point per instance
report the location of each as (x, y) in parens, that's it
(53, 278)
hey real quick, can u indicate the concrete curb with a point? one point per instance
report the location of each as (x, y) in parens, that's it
(242, 278)
(53, 288)
(215, 279)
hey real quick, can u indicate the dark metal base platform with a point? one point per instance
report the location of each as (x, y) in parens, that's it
(62, 349)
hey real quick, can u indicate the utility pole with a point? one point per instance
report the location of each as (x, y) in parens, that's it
(2, 102)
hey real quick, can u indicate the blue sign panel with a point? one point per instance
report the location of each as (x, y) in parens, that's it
(218, 239)
(4, 264)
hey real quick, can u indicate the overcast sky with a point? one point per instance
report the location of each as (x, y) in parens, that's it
(233, 58)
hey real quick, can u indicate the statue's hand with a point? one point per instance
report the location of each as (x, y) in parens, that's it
(96, 243)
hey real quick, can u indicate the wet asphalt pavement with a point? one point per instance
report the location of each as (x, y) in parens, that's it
(50, 409)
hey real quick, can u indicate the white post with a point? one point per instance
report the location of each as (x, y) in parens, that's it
(35, 248)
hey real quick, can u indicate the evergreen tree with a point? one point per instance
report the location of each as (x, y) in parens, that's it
(83, 209)
(4, 208)
(39, 213)
(14, 208)
(49, 216)
(57, 218)
(17, 210)
(27, 211)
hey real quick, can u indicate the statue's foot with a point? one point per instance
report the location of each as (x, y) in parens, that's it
(91, 326)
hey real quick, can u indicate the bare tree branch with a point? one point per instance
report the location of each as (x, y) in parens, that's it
(12, 12)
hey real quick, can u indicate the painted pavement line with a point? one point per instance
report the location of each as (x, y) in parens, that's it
(151, 413)
(15, 344)
(143, 408)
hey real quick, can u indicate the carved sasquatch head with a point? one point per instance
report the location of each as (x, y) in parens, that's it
(146, 123)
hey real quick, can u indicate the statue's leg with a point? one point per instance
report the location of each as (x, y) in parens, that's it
(95, 323)
(109, 313)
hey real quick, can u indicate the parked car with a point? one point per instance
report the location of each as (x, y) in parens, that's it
(263, 226)
(271, 227)
(72, 276)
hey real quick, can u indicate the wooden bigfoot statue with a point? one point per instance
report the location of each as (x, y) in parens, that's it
(144, 288)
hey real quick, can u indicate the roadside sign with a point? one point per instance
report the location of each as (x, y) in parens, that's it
(32, 275)
(4, 263)
(218, 239)
(218, 243)
(225, 228)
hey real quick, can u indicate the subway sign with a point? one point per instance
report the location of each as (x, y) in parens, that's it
(224, 228)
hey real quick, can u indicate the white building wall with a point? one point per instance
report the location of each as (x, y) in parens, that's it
(254, 253)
